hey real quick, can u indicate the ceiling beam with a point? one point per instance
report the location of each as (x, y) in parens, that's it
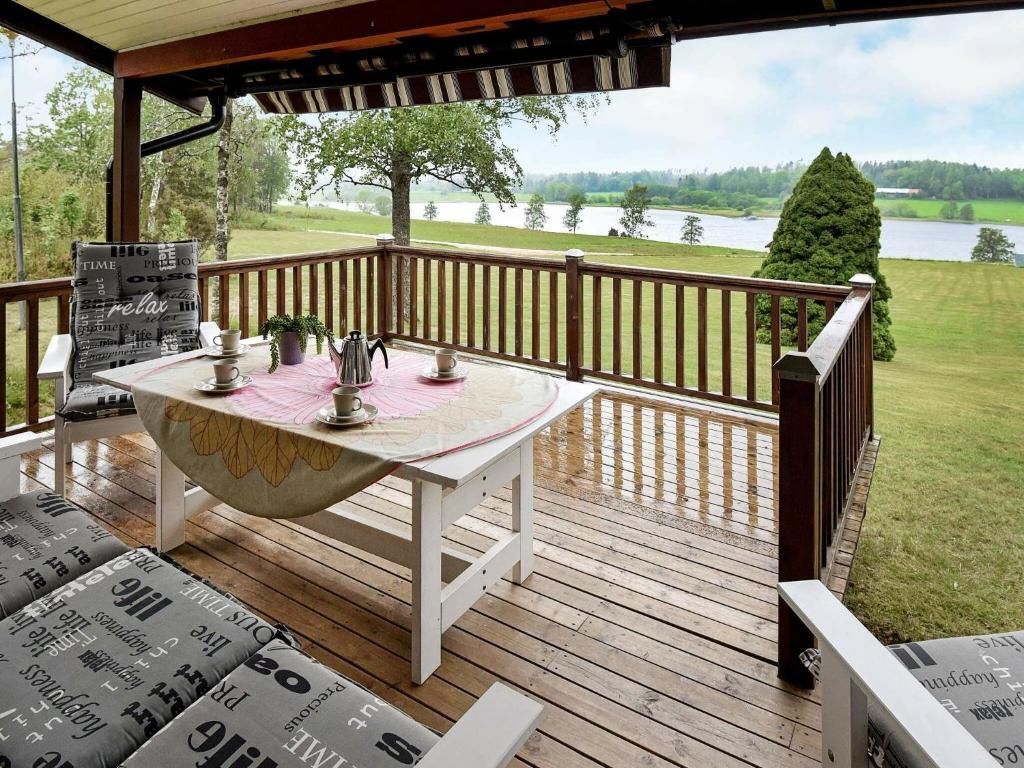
(364, 25)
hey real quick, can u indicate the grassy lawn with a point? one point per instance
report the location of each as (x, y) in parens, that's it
(997, 211)
(943, 544)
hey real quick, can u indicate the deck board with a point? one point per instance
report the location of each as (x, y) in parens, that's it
(647, 629)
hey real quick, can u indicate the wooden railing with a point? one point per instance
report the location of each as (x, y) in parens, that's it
(826, 420)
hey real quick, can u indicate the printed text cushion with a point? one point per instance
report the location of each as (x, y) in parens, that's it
(102, 663)
(45, 542)
(283, 709)
(97, 401)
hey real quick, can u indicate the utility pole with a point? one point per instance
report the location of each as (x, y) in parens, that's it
(19, 243)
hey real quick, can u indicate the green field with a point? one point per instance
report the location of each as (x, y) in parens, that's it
(990, 211)
(943, 543)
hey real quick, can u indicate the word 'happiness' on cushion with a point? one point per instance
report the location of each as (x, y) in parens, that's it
(283, 709)
(45, 542)
(132, 302)
(97, 667)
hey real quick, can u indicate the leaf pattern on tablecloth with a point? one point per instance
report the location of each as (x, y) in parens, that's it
(239, 449)
(319, 455)
(275, 453)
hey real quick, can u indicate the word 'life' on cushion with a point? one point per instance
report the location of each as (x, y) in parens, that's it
(45, 542)
(97, 667)
(283, 709)
(131, 302)
(980, 682)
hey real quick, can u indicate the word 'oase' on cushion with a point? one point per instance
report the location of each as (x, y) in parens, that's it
(45, 542)
(283, 709)
(97, 667)
(132, 302)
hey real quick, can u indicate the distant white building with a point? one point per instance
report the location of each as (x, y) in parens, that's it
(897, 192)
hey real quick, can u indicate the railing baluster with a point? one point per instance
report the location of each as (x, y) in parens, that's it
(369, 319)
(343, 296)
(553, 317)
(224, 302)
(414, 299)
(31, 361)
(243, 304)
(726, 343)
(456, 309)
(279, 277)
(752, 347)
(329, 295)
(595, 340)
(296, 291)
(658, 337)
(204, 299)
(502, 307)
(357, 295)
(702, 339)
(442, 292)
(64, 313)
(471, 304)
(518, 283)
(616, 326)
(314, 289)
(680, 380)
(535, 302)
(776, 331)
(262, 299)
(426, 298)
(638, 350)
(487, 306)
(801, 324)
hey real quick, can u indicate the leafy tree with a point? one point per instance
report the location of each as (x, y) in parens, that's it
(635, 204)
(967, 212)
(829, 231)
(430, 211)
(483, 214)
(949, 210)
(993, 247)
(574, 213)
(392, 149)
(692, 231)
(536, 216)
(382, 205)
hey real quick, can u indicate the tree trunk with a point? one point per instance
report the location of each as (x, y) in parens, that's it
(220, 239)
(154, 196)
(401, 183)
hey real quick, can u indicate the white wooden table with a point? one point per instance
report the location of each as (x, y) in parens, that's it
(445, 582)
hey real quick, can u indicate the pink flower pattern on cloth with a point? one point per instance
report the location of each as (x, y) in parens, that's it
(294, 393)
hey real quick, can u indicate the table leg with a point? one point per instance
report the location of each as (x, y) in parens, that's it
(426, 579)
(522, 512)
(170, 505)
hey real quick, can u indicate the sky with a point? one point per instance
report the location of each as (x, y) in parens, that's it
(947, 88)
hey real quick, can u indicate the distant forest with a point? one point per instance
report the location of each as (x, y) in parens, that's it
(753, 187)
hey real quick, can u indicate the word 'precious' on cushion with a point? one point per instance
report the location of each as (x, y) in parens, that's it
(45, 542)
(93, 670)
(283, 709)
(980, 682)
(132, 302)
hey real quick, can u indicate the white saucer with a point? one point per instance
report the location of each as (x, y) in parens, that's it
(216, 351)
(211, 386)
(326, 416)
(458, 373)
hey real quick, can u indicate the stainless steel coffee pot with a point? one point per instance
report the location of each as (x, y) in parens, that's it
(353, 362)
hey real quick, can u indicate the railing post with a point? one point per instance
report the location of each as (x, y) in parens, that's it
(866, 283)
(799, 501)
(573, 314)
(385, 285)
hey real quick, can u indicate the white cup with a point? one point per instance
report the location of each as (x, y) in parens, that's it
(228, 340)
(226, 371)
(445, 360)
(346, 400)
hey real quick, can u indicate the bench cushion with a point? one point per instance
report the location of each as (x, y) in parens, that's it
(980, 682)
(132, 302)
(45, 542)
(283, 708)
(97, 667)
(97, 401)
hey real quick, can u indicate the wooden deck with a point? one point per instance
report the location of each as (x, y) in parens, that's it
(648, 628)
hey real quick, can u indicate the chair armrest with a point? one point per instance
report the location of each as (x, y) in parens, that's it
(489, 734)
(57, 361)
(853, 660)
(23, 442)
(207, 333)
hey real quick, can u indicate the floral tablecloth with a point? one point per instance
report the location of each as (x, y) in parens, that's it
(261, 450)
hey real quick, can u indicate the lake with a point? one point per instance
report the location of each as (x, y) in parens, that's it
(900, 238)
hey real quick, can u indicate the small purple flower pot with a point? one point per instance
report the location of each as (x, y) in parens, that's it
(291, 354)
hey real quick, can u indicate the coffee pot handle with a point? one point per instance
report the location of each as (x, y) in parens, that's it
(379, 344)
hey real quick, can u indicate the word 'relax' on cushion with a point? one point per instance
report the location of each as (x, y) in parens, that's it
(93, 670)
(46, 541)
(283, 709)
(131, 302)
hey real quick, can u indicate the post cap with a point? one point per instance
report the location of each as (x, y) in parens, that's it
(385, 239)
(797, 366)
(574, 253)
(861, 280)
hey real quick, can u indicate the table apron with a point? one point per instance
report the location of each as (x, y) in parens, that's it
(463, 499)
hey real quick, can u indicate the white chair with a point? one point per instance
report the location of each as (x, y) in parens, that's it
(130, 301)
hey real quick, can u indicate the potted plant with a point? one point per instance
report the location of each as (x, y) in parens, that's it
(289, 335)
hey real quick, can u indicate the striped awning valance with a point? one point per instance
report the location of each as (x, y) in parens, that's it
(640, 61)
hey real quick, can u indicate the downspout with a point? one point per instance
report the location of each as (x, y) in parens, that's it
(171, 140)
